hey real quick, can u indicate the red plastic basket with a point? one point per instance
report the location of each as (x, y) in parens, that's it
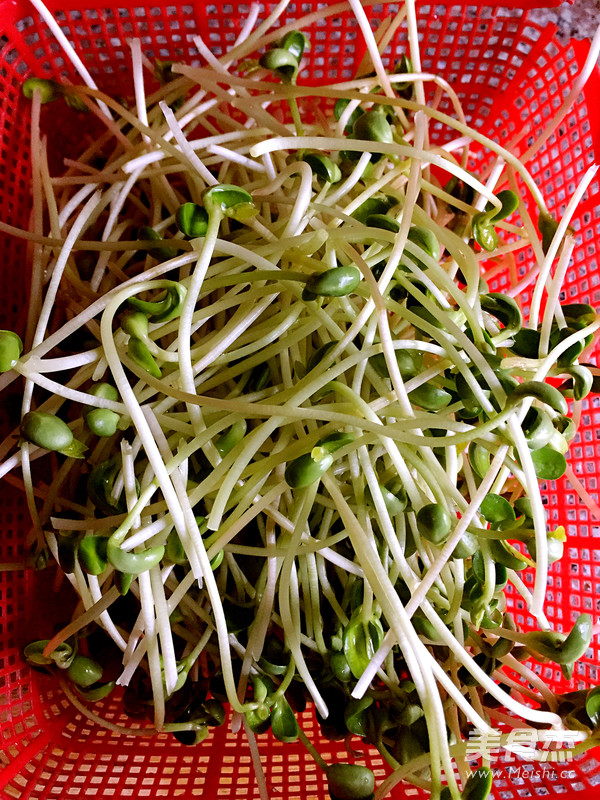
(509, 73)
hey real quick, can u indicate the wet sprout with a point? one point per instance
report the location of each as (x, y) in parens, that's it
(84, 671)
(434, 523)
(46, 430)
(51, 433)
(294, 42)
(544, 392)
(92, 554)
(548, 226)
(229, 201)
(374, 127)
(232, 436)
(284, 62)
(139, 353)
(305, 470)
(162, 310)
(61, 656)
(48, 90)
(11, 348)
(100, 484)
(323, 167)
(335, 282)
(350, 782)
(483, 222)
(361, 639)
(132, 562)
(560, 648)
(504, 308)
(102, 421)
(192, 220)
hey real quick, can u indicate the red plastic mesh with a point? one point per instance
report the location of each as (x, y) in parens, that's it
(510, 75)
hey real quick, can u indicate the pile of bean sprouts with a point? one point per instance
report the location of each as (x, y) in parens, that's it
(278, 445)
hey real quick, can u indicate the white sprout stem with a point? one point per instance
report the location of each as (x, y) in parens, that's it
(138, 84)
(36, 219)
(461, 701)
(331, 143)
(583, 75)
(302, 199)
(285, 601)
(60, 390)
(415, 53)
(164, 630)
(372, 47)
(105, 256)
(534, 680)
(556, 243)
(73, 235)
(259, 772)
(467, 517)
(250, 41)
(386, 36)
(547, 363)
(262, 619)
(304, 193)
(246, 314)
(409, 642)
(44, 366)
(534, 715)
(117, 204)
(583, 492)
(99, 720)
(351, 180)
(143, 534)
(419, 594)
(553, 301)
(74, 203)
(492, 180)
(184, 338)
(68, 50)
(189, 541)
(86, 618)
(128, 480)
(185, 146)
(38, 336)
(234, 157)
(195, 144)
(152, 649)
(244, 33)
(539, 519)
(134, 654)
(166, 485)
(163, 627)
(104, 618)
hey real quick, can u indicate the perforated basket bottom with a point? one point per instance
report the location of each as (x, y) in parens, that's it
(69, 756)
(510, 77)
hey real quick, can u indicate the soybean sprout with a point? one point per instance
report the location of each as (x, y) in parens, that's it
(292, 444)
